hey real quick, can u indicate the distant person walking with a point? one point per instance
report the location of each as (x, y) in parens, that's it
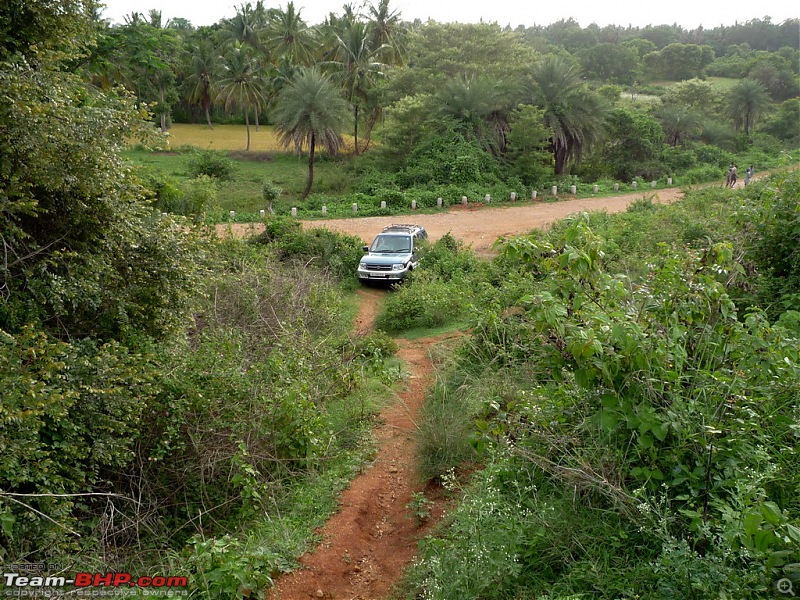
(731, 180)
(748, 174)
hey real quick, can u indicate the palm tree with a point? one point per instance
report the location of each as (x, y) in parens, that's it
(310, 110)
(747, 101)
(387, 32)
(246, 26)
(476, 104)
(574, 114)
(679, 122)
(198, 84)
(287, 36)
(240, 84)
(357, 67)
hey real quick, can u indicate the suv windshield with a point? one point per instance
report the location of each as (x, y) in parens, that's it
(391, 243)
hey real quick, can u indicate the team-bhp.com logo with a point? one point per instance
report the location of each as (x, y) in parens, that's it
(21, 584)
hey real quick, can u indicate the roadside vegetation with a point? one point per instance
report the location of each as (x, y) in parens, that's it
(622, 419)
(625, 397)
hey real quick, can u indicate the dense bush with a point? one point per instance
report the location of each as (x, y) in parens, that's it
(329, 251)
(211, 164)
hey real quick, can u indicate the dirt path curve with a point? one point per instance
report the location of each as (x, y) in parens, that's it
(476, 224)
(369, 542)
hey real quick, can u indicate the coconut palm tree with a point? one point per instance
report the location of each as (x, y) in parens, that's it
(574, 114)
(747, 101)
(356, 67)
(310, 111)
(203, 64)
(287, 36)
(386, 31)
(240, 84)
(246, 25)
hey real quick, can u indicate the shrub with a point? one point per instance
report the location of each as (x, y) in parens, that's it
(213, 164)
(334, 252)
(426, 302)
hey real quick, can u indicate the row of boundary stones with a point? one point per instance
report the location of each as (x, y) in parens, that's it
(464, 201)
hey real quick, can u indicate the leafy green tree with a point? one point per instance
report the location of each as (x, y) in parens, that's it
(145, 59)
(680, 61)
(29, 26)
(747, 101)
(310, 111)
(610, 62)
(784, 123)
(641, 46)
(528, 139)
(408, 122)
(444, 51)
(240, 84)
(633, 145)
(778, 75)
(702, 97)
(573, 113)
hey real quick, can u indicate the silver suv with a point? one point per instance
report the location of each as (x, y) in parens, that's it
(393, 254)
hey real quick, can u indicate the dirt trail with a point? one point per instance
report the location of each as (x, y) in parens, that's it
(369, 542)
(478, 225)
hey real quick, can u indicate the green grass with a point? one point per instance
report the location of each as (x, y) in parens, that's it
(243, 193)
(423, 332)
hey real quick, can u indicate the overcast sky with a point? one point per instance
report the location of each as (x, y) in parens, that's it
(687, 13)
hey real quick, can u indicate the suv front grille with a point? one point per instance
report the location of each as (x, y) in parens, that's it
(371, 267)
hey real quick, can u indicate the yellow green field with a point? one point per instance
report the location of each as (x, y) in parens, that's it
(230, 137)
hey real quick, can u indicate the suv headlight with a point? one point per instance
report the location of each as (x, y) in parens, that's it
(398, 267)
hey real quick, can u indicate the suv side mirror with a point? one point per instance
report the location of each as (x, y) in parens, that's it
(365, 248)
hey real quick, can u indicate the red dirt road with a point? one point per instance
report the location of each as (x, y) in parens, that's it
(370, 541)
(479, 225)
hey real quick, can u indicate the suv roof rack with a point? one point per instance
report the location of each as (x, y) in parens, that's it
(401, 227)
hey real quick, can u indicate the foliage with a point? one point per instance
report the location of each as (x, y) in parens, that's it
(332, 252)
(211, 164)
(445, 159)
(772, 225)
(435, 293)
(638, 408)
(310, 112)
(70, 419)
(527, 144)
(573, 113)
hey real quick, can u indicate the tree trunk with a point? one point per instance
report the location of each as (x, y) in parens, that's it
(311, 148)
(561, 159)
(355, 128)
(163, 118)
(208, 115)
(247, 126)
